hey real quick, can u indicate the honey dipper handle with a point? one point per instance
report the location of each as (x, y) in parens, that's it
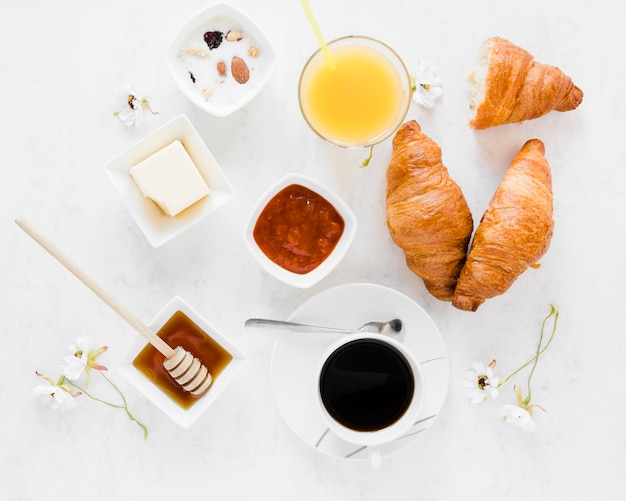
(137, 324)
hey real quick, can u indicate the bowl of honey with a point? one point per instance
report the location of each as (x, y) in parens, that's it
(181, 325)
(299, 230)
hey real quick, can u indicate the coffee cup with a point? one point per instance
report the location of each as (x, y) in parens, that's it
(369, 390)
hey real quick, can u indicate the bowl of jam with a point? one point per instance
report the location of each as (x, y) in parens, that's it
(299, 230)
(181, 325)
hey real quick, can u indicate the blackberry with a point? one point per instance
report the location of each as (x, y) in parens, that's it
(213, 39)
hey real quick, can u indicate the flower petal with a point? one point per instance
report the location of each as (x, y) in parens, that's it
(74, 367)
(518, 416)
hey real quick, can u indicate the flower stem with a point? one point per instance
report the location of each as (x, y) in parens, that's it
(553, 312)
(94, 397)
(367, 161)
(130, 416)
(117, 406)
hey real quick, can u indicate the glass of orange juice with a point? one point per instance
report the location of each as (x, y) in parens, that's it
(361, 99)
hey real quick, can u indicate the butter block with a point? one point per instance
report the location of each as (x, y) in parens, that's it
(170, 179)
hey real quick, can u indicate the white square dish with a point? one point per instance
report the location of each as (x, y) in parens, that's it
(193, 64)
(184, 417)
(302, 280)
(158, 227)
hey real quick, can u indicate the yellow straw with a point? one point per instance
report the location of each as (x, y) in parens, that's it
(318, 34)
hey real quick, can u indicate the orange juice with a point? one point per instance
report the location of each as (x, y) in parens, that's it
(359, 102)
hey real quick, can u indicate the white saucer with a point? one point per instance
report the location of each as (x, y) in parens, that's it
(296, 356)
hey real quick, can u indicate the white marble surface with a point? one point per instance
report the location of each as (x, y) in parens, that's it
(60, 62)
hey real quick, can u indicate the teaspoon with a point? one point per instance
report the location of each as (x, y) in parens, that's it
(392, 327)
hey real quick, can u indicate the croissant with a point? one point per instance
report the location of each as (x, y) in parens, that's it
(514, 232)
(508, 86)
(427, 215)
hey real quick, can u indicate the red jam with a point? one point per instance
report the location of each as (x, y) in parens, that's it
(298, 229)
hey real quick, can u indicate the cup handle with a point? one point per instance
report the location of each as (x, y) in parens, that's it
(375, 456)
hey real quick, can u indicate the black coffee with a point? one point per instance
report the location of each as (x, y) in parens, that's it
(366, 385)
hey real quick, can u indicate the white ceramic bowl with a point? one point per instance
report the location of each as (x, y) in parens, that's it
(193, 73)
(153, 222)
(184, 417)
(309, 279)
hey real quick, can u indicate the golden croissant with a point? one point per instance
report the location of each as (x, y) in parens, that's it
(427, 215)
(508, 86)
(514, 232)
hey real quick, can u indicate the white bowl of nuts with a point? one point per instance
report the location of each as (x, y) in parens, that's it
(220, 59)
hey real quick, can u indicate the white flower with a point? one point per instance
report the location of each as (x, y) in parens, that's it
(427, 84)
(76, 362)
(59, 395)
(82, 359)
(56, 395)
(481, 383)
(521, 414)
(129, 107)
(517, 416)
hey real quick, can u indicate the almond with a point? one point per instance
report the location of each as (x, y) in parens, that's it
(221, 68)
(234, 35)
(239, 69)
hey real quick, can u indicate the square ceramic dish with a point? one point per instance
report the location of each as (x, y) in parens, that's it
(193, 62)
(309, 279)
(158, 227)
(184, 417)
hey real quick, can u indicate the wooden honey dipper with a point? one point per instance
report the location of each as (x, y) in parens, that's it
(187, 371)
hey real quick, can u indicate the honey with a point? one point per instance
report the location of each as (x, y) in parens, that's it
(180, 330)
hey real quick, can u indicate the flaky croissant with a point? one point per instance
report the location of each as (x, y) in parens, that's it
(427, 215)
(514, 232)
(508, 86)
